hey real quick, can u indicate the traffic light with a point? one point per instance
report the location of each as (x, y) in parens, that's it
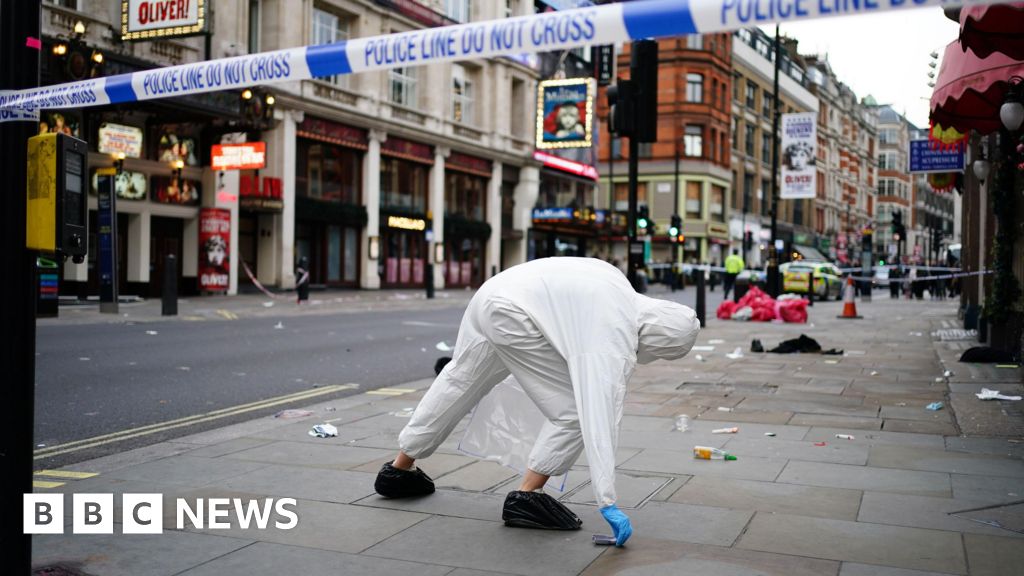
(620, 102)
(748, 241)
(675, 229)
(643, 72)
(898, 229)
(642, 220)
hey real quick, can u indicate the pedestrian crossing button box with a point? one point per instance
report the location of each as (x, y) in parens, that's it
(57, 203)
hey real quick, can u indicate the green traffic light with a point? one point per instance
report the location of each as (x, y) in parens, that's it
(881, 262)
(641, 223)
(673, 231)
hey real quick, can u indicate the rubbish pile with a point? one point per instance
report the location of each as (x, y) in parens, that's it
(756, 306)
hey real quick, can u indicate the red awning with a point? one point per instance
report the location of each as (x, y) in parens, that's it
(993, 28)
(969, 90)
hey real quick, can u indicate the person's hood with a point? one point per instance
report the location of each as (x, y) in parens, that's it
(667, 330)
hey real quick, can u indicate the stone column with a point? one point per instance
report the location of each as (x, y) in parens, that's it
(369, 278)
(138, 248)
(492, 261)
(436, 210)
(525, 196)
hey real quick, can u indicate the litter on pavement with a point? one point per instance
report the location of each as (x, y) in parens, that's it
(934, 406)
(735, 354)
(769, 434)
(279, 326)
(403, 413)
(724, 409)
(443, 347)
(845, 437)
(716, 341)
(986, 355)
(285, 414)
(804, 344)
(732, 430)
(987, 394)
(683, 423)
(323, 431)
(703, 348)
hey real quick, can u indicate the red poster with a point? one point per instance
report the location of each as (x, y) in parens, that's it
(214, 249)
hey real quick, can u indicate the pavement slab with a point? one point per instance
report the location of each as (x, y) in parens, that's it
(836, 421)
(855, 569)
(923, 512)
(444, 503)
(476, 477)
(666, 462)
(305, 483)
(327, 454)
(876, 437)
(840, 406)
(228, 447)
(751, 416)
(915, 412)
(770, 497)
(907, 458)
(491, 546)
(631, 490)
(993, 446)
(136, 555)
(993, 555)
(268, 559)
(438, 464)
(986, 488)
(643, 557)
(842, 452)
(186, 470)
(894, 546)
(920, 427)
(689, 523)
(866, 478)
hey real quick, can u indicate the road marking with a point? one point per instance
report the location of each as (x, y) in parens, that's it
(45, 484)
(427, 324)
(66, 474)
(391, 391)
(178, 423)
(228, 315)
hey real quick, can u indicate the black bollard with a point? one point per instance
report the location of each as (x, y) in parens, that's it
(701, 313)
(429, 274)
(169, 297)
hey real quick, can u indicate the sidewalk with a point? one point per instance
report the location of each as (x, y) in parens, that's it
(802, 502)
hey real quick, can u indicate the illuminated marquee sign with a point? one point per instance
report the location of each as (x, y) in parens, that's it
(407, 223)
(248, 156)
(565, 112)
(148, 19)
(117, 138)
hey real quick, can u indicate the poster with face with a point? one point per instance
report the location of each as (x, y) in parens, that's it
(127, 185)
(799, 136)
(171, 190)
(58, 122)
(214, 249)
(565, 113)
(173, 147)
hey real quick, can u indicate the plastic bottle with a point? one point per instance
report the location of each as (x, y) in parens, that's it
(683, 423)
(708, 453)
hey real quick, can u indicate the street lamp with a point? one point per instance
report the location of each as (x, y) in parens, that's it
(1011, 113)
(981, 167)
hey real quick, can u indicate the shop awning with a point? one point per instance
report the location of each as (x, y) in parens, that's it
(969, 90)
(993, 28)
(810, 253)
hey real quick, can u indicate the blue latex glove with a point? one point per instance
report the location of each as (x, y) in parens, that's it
(619, 523)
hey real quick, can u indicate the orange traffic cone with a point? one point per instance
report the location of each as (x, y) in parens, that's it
(849, 305)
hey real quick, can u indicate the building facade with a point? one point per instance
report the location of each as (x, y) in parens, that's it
(896, 187)
(934, 217)
(752, 104)
(686, 172)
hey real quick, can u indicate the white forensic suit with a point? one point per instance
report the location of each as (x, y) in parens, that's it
(571, 331)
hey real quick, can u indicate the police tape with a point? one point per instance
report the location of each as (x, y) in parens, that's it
(925, 278)
(906, 266)
(256, 283)
(545, 32)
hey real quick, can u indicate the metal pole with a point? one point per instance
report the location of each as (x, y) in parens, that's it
(19, 68)
(677, 250)
(773, 259)
(169, 296)
(635, 254)
(701, 300)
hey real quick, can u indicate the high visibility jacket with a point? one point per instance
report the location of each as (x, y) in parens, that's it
(734, 264)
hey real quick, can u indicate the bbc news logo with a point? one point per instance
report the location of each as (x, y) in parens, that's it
(144, 513)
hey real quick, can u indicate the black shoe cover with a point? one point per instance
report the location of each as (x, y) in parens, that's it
(538, 510)
(397, 483)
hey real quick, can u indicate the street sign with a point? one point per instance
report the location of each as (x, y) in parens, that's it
(603, 57)
(926, 158)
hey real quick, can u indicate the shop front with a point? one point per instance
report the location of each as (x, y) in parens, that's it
(565, 222)
(329, 214)
(404, 184)
(466, 230)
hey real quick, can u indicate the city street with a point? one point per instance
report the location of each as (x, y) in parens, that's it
(801, 501)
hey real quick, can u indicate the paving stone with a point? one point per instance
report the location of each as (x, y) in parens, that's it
(743, 415)
(895, 546)
(842, 452)
(298, 431)
(647, 423)
(922, 512)
(304, 483)
(875, 437)
(690, 523)
(836, 421)
(866, 478)
(444, 503)
(986, 488)
(631, 490)
(640, 409)
(840, 405)
(622, 453)
(476, 477)
(920, 427)
(436, 465)
(770, 497)
(993, 446)
(666, 462)
(491, 546)
(186, 470)
(327, 454)
(820, 385)
(327, 526)
(267, 559)
(228, 447)
(854, 569)
(911, 412)
(994, 556)
(669, 489)
(943, 461)
(134, 555)
(650, 557)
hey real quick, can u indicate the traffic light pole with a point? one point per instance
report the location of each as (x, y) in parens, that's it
(636, 250)
(19, 68)
(773, 258)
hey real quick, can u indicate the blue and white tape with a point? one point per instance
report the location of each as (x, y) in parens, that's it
(546, 32)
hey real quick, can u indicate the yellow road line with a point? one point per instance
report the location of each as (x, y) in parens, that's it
(391, 391)
(171, 424)
(66, 474)
(45, 484)
(228, 314)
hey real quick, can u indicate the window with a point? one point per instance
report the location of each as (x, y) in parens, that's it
(457, 10)
(327, 29)
(693, 141)
(717, 203)
(328, 172)
(766, 148)
(714, 92)
(749, 139)
(694, 88)
(695, 42)
(751, 95)
(403, 86)
(693, 200)
(766, 196)
(889, 136)
(520, 127)
(748, 191)
(645, 149)
(798, 212)
(767, 101)
(464, 194)
(254, 26)
(403, 184)
(462, 95)
(736, 81)
(887, 161)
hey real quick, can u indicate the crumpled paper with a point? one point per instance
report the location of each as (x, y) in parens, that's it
(323, 431)
(987, 394)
